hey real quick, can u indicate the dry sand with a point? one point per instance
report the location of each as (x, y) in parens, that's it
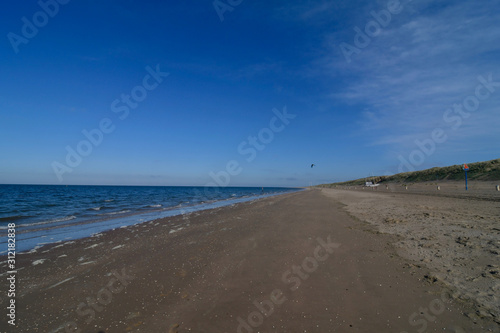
(453, 233)
(212, 271)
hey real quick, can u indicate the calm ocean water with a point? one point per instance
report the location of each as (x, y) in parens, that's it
(52, 213)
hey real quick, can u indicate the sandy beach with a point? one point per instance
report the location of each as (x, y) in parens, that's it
(453, 232)
(320, 260)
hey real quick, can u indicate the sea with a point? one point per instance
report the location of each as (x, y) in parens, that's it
(44, 214)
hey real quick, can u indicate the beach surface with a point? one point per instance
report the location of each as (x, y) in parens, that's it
(452, 232)
(312, 261)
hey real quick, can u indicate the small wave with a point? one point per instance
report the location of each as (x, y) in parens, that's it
(154, 206)
(60, 219)
(115, 213)
(96, 208)
(109, 200)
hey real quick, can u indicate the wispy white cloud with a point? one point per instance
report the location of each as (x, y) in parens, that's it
(419, 66)
(310, 12)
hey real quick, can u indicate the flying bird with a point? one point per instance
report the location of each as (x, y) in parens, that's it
(313, 165)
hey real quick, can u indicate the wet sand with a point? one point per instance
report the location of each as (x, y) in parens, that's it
(293, 263)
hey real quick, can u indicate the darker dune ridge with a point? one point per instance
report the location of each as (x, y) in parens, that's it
(479, 171)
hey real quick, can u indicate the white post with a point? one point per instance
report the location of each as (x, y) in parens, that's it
(439, 188)
(498, 187)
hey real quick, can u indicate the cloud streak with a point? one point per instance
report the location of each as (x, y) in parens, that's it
(419, 66)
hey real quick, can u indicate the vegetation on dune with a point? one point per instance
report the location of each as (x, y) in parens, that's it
(484, 171)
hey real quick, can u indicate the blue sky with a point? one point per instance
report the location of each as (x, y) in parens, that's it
(358, 104)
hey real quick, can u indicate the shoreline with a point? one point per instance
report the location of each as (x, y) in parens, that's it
(33, 237)
(211, 270)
